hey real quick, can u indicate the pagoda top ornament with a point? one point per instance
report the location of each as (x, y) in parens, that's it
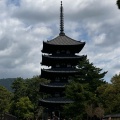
(61, 21)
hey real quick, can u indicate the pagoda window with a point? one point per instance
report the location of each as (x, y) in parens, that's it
(57, 65)
(63, 51)
(63, 64)
(67, 52)
(63, 78)
(68, 65)
(57, 79)
(57, 95)
(58, 52)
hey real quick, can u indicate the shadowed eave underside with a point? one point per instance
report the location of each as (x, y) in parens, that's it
(56, 100)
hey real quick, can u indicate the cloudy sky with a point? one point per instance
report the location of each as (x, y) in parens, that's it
(24, 24)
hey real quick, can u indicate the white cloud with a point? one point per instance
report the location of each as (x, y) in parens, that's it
(24, 24)
(99, 39)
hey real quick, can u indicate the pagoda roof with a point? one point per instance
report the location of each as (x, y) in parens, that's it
(61, 70)
(63, 56)
(54, 85)
(113, 116)
(64, 40)
(56, 100)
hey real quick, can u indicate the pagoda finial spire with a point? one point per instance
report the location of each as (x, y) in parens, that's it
(61, 21)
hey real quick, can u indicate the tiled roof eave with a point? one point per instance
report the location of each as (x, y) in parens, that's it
(64, 40)
(113, 116)
(63, 57)
(79, 44)
(52, 86)
(48, 101)
(61, 71)
(66, 44)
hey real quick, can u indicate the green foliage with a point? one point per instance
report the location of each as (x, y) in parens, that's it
(29, 88)
(19, 88)
(109, 95)
(92, 111)
(82, 90)
(88, 73)
(5, 98)
(116, 80)
(7, 82)
(32, 91)
(79, 94)
(33, 86)
(82, 97)
(77, 91)
(24, 108)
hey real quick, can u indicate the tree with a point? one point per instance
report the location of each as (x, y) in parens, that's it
(5, 99)
(99, 112)
(33, 86)
(109, 95)
(32, 91)
(19, 88)
(24, 109)
(90, 74)
(82, 89)
(27, 88)
(89, 110)
(118, 4)
(81, 97)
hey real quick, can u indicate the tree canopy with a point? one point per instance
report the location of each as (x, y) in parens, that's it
(26, 90)
(83, 91)
(109, 95)
(5, 99)
(24, 108)
(118, 4)
(92, 96)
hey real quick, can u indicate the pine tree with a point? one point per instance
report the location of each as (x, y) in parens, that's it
(82, 89)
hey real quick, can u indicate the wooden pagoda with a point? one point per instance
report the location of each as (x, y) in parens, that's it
(60, 55)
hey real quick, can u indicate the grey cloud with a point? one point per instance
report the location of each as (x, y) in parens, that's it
(27, 25)
(4, 43)
(39, 12)
(117, 67)
(13, 73)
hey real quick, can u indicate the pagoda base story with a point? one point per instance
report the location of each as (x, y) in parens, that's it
(51, 114)
(53, 107)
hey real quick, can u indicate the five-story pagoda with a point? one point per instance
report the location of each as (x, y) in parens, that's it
(60, 54)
